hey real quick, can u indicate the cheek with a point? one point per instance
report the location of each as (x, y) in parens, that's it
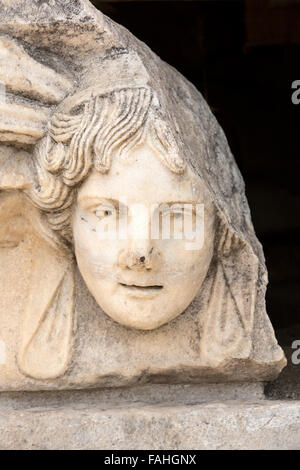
(177, 254)
(92, 251)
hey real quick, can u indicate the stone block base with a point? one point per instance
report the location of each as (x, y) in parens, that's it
(150, 417)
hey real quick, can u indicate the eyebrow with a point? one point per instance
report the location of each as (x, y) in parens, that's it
(171, 203)
(96, 199)
(116, 202)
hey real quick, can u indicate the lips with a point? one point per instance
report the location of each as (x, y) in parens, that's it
(144, 291)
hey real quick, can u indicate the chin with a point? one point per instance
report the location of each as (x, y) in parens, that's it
(138, 316)
(138, 324)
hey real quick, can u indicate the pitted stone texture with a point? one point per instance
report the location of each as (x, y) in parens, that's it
(228, 425)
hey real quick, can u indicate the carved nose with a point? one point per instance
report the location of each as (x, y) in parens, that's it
(137, 260)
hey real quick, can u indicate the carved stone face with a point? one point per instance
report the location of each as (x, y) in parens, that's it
(139, 281)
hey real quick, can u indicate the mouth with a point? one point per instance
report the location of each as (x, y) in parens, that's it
(141, 291)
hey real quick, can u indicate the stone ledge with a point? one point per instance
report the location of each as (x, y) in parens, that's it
(136, 396)
(260, 424)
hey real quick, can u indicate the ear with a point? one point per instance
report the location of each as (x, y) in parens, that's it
(47, 330)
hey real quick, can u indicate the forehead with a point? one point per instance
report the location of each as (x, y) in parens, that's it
(142, 177)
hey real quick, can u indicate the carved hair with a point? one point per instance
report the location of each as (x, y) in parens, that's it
(118, 121)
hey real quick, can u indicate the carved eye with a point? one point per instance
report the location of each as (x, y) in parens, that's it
(173, 213)
(176, 214)
(103, 212)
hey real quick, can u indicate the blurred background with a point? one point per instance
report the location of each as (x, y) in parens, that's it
(243, 55)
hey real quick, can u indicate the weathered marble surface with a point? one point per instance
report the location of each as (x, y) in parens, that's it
(208, 323)
(241, 420)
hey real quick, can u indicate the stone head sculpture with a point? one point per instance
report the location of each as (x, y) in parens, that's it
(126, 132)
(117, 153)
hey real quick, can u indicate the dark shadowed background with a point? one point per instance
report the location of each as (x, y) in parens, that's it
(243, 55)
